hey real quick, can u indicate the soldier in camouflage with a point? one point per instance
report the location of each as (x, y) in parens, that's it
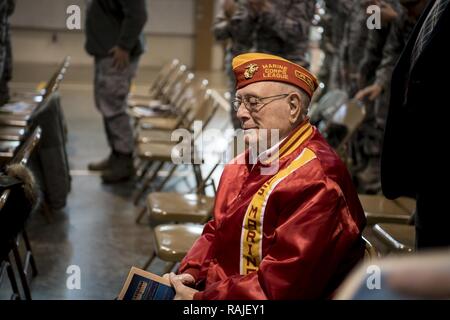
(277, 27)
(224, 30)
(333, 22)
(114, 37)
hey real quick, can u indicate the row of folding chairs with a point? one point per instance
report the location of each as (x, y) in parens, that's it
(176, 100)
(17, 116)
(180, 103)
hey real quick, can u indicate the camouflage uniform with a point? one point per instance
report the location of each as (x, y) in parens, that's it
(353, 45)
(283, 31)
(395, 43)
(111, 87)
(333, 24)
(224, 31)
(373, 52)
(111, 23)
(6, 10)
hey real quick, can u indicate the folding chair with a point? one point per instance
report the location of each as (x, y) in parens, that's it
(175, 117)
(186, 106)
(172, 242)
(378, 209)
(400, 238)
(165, 93)
(168, 108)
(157, 85)
(172, 206)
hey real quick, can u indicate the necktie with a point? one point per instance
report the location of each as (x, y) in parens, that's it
(427, 29)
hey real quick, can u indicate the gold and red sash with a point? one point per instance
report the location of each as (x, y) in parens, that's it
(252, 227)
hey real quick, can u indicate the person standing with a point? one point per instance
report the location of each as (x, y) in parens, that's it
(114, 38)
(413, 161)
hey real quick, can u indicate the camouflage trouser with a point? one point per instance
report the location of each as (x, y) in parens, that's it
(111, 88)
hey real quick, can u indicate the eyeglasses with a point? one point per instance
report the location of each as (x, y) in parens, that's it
(253, 103)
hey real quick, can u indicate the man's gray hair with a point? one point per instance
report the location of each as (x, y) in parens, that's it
(304, 97)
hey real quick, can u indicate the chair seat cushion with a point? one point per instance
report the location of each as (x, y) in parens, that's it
(158, 123)
(171, 206)
(173, 241)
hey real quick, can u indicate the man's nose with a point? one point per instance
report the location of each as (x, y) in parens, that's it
(242, 113)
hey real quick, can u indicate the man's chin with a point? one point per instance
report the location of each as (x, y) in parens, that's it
(251, 135)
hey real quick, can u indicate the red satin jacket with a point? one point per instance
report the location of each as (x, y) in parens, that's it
(294, 234)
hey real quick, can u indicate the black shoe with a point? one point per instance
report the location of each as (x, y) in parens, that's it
(121, 169)
(100, 165)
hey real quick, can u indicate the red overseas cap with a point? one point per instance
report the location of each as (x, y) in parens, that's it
(255, 67)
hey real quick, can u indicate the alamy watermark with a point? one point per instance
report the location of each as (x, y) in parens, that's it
(374, 20)
(73, 21)
(373, 281)
(73, 281)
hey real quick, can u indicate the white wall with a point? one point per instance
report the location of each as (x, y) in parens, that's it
(39, 33)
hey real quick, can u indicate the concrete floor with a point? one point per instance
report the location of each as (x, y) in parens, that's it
(97, 230)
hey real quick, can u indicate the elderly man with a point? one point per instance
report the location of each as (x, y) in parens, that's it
(291, 234)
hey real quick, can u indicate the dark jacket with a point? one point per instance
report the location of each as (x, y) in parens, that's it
(414, 158)
(417, 127)
(112, 23)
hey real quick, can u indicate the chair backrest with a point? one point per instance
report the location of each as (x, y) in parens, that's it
(57, 77)
(26, 149)
(173, 80)
(344, 122)
(205, 109)
(180, 88)
(162, 77)
(328, 105)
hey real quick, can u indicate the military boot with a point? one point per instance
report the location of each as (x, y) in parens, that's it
(121, 169)
(100, 165)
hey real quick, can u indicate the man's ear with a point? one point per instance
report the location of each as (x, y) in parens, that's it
(295, 108)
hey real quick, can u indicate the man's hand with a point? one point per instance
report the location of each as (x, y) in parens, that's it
(259, 6)
(229, 7)
(388, 13)
(179, 282)
(372, 92)
(121, 58)
(185, 278)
